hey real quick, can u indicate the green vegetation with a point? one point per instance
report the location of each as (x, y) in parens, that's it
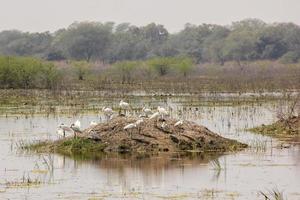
(74, 146)
(248, 55)
(168, 74)
(25, 72)
(288, 129)
(246, 40)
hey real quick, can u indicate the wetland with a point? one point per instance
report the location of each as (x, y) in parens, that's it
(267, 164)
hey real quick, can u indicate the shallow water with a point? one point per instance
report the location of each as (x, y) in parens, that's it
(262, 167)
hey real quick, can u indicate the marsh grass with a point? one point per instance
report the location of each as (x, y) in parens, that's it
(25, 181)
(80, 148)
(273, 194)
(259, 145)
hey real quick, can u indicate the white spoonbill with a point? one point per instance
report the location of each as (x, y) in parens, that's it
(154, 115)
(147, 111)
(65, 131)
(130, 127)
(162, 111)
(77, 124)
(139, 121)
(108, 112)
(93, 123)
(76, 127)
(179, 123)
(123, 106)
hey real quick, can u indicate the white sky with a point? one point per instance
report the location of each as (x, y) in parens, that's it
(43, 15)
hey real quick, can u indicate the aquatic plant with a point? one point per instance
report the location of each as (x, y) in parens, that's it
(273, 194)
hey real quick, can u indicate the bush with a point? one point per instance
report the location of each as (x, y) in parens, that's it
(290, 57)
(125, 70)
(27, 73)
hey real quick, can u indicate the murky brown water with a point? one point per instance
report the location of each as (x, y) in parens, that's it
(261, 167)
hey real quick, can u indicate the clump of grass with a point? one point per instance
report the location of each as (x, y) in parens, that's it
(70, 146)
(26, 181)
(273, 194)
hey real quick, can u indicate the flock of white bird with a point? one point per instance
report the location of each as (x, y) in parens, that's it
(161, 113)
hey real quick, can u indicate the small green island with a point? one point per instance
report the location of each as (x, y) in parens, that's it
(284, 129)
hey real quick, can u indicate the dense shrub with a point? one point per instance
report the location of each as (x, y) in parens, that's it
(25, 72)
(290, 57)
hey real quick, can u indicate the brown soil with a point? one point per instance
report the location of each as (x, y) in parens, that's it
(151, 137)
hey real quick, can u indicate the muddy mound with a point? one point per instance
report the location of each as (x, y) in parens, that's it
(157, 136)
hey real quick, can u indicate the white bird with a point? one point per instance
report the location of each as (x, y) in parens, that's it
(108, 112)
(154, 115)
(162, 111)
(138, 122)
(77, 124)
(60, 132)
(179, 123)
(147, 111)
(93, 123)
(130, 126)
(65, 131)
(123, 106)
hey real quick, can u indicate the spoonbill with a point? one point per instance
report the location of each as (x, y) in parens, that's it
(62, 129)
(76, 127)
(77, 124)
(139, 121)
(93, 123)
(154, 115)
(130, 127)
(162, 111)
(108, 112)
(123, 106)
(147, 111)
(179, 123)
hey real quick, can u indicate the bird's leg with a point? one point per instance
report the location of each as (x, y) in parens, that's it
(64, 133)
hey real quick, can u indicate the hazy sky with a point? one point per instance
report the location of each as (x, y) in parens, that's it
(43, 15)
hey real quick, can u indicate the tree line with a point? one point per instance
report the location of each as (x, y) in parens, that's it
(245, 40)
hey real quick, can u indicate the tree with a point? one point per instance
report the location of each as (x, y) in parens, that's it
(86, 40)
(184, 65)
(162, 65)
(81, 69)
(126, 69)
